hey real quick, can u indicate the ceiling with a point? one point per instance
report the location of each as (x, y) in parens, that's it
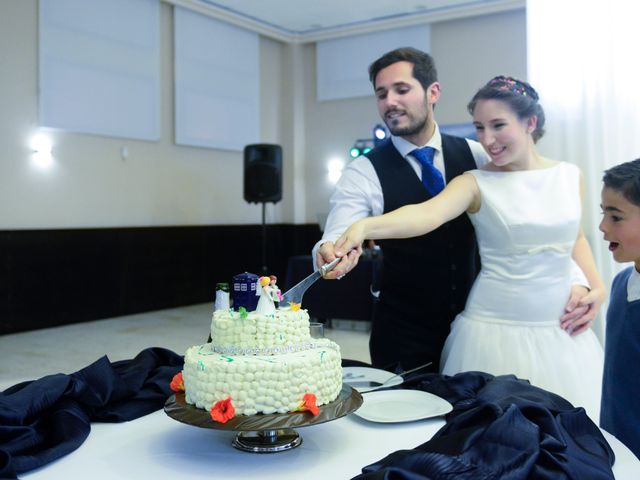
(300, 21)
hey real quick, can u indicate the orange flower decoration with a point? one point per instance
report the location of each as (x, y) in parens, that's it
(295, 306)
(309, 403)
(177, 384)
(223, 411)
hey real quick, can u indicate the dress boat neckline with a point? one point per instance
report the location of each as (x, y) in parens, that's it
(522, 171)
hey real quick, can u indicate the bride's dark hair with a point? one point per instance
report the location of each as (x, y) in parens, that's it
(519, 95)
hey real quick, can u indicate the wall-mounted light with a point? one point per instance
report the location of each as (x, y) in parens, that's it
(334, 168)
(42, 150)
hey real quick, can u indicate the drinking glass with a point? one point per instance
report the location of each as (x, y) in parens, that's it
(316, 329)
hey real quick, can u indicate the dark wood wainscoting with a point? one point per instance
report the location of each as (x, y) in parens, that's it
(57, 277)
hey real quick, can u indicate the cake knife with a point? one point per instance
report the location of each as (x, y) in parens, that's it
(386, 382)
(295, 293)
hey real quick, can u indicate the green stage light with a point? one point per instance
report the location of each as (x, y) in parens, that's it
(354, 152)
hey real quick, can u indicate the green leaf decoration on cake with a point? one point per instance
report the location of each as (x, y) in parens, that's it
(204, 350)
(243, 312)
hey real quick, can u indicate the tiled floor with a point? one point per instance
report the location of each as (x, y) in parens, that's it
(31, 355)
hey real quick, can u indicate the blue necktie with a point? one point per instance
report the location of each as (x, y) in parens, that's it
(431, 176)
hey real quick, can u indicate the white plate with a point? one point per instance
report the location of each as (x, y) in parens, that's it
(391, 406)
(357, 377)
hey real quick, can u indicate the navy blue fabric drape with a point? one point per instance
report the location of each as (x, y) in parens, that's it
(45, 419)
(501, 427)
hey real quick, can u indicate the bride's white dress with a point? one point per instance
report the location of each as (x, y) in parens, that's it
(526, 228)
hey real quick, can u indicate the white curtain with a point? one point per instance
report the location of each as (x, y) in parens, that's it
(583, 60)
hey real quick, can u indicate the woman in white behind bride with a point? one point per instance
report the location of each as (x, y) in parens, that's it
(526, 211)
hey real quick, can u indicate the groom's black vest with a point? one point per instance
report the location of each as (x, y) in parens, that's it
(425, 280)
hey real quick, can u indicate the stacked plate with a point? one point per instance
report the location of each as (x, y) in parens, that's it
(391, 406)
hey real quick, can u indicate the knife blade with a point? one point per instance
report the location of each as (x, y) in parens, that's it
(295, 293)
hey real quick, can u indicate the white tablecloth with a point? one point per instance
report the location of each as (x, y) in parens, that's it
(158, 447)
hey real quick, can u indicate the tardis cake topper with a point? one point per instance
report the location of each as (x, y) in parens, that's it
(244, 291)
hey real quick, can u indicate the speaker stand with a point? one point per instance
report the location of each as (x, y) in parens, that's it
(265, 270)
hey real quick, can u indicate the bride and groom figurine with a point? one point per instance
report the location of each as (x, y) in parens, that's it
(270, 295)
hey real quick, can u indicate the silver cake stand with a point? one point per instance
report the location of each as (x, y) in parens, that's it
(265, 433)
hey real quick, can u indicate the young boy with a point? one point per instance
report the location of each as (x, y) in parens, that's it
(620, 410)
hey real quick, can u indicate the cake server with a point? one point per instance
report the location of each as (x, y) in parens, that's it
(295, 293)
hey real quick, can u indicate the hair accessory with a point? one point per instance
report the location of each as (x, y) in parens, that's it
(514, 85)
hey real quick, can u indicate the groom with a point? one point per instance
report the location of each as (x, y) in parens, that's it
(425, 280)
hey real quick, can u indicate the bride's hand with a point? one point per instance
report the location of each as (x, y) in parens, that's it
(350, 240)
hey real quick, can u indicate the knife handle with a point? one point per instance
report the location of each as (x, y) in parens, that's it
(327, 267)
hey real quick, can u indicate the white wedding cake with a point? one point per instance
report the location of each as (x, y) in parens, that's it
(262, 363)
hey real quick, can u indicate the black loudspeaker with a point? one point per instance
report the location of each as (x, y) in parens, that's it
(262, 173)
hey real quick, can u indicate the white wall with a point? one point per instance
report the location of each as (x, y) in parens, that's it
(90, 185)
(470, 52)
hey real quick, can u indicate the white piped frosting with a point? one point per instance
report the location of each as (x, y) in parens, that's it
(230, 329)
(265, 363)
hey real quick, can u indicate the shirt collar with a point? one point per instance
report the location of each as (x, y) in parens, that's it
(405, 147)
(633, 286)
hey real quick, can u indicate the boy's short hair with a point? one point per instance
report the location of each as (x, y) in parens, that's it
(625, 178)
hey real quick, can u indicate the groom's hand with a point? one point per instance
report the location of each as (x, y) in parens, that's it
(581, 309)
